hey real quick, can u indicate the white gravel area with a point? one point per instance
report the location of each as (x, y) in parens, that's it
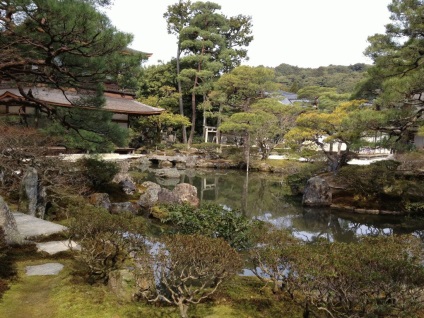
(104, 156)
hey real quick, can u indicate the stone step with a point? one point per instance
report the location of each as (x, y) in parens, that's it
(44, 269)
(54, 247)
(32, 227)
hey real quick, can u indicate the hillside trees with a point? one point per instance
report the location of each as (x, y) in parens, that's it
(324, 98)
(343, 78)
(208, 43)
(396, 78)
(65, 45)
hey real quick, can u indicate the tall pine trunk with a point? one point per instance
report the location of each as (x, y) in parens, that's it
(180, 93)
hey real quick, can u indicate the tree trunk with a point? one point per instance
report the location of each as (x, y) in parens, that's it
(245, 194)
(193, 99)
(276, 287)
(183, 310)
(180, 92)
(193, 116)
(247, 151)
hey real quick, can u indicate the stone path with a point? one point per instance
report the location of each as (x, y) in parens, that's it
(29, 226)
(45, 269)
(54, 247)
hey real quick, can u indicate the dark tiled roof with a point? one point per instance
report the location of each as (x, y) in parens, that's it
(114, 104)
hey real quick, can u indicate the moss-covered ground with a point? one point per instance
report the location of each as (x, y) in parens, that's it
(68, 295)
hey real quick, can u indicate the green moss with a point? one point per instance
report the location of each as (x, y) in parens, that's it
(67, 295)
(159, 212)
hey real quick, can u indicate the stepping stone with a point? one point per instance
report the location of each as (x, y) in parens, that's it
(45, 269)
(29, 226)
(54, 247)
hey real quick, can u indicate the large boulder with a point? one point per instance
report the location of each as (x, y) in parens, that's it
(317, 193)
(186, 193)
(149, 194)
(8, 224)
(153, 193)
(166, 196)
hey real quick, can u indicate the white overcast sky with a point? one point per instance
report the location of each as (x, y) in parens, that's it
(304, 33)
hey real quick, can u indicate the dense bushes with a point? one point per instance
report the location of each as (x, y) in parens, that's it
(380, 276)
(375, 277)
(98, 171)
(211, 220)
(187, 269)
(106, 240)
(382, 186)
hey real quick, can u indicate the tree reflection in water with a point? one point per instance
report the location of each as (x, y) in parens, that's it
(265, 197)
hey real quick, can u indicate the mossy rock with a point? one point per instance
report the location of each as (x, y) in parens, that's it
(159, 212)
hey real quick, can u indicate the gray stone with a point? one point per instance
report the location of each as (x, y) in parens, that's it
(202, 163)
(367, 211)
(180, 165)
(54, 247)
(100, 200)
(143, 162)
(124, 167)
(126, 285)
(317, 193)
(186, 193)
(165, 164)
(166, 182)
(128, 186)
(191, 161)
(167, 173)
(45, 269)
(166, 196)
(40, 209)
(28, 196)
(149, 194)
(30, 226)
(121, 207)
(9, 225)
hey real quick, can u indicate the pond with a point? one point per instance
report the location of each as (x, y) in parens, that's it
(264, 196)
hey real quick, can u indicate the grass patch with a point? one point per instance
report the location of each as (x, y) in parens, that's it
(68, 295)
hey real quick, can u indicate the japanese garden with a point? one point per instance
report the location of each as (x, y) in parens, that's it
(200, 186)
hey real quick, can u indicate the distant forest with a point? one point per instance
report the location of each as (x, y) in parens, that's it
(343, 78)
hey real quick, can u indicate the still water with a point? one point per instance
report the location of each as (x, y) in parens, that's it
(265, 197)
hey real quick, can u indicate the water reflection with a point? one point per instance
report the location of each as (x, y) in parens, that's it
(264, 197)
